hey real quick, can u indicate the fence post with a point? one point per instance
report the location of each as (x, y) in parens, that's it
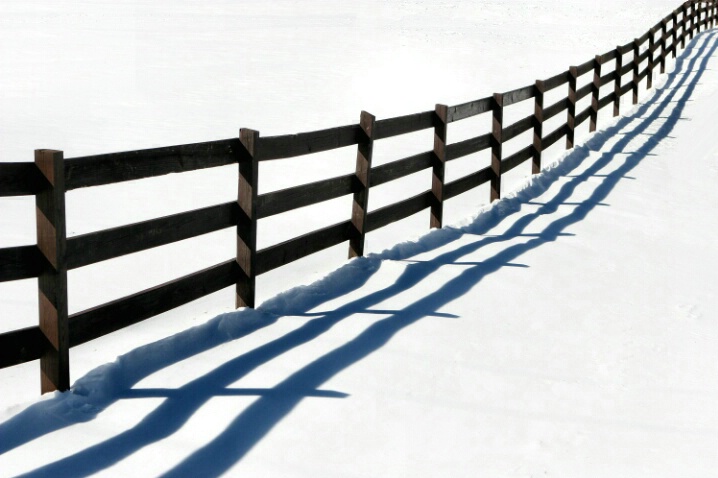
(540, 90)
(664, 51)
(651, 59)
(52, 282)
(692, 21)
(497, 126)
(441, 127)
(636, 67)
(684, 25)
(595, 91)
(247, 224)
(365, 150)
(674, 44)
(571, 115)
(617, 83)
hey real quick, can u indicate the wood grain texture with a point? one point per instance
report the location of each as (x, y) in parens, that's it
(471, 181)
(468, 146)
(361, 180)
(398, 211)
(294, 249)
(387, 128)
(22, 262)
(296, 197)
(438, 166)
(293, 145)
(518, 95)
(126, 166)
(110, 243)
(556, 81)
(20, 179)
(104, 319)
(400, 168)
(467, 110)
(23, 345)
(521, 126)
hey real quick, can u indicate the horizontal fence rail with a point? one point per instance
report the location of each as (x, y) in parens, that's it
(599, 82)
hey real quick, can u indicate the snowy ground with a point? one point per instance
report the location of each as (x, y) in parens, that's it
(565, 331)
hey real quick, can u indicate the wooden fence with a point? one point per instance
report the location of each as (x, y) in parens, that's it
(50, 176)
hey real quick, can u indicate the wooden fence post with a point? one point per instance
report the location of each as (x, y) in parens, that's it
(636, 67)
(441, 127)
(365, 150)
(595, 91)
(664, 51)
(247, 224)
(540, 90)
(684, 25)
(52, 282)
(617, 83)
(497, 126)
(571, 114)
(674, 44)
(651, 59)
(692, 19)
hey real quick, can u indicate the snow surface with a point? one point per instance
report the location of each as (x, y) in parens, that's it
(563, 331)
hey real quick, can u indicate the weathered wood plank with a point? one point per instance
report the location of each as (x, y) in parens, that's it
(497, 128)
(126, 166)
(294, 249)
(293, 145)
(556, 81)
(295, 197)
(583, 116)
(628, 68)
(584, 91)
(627, 48)
(23, 345)
(608, 100)
(400, 168)
(104, 319)
(398, 211)
(467, 183)
(20, 179)
(538, 127)
(386, 128)
(517, 158)
(626, 88)
(110, 243)
(608, 56)
(608, 77)
(555, 109)
(584, 68)
(23, 262)
(571, 110)
(518, 95)
(467, 110)
(468, 146)
(550, 139)
(521, 126)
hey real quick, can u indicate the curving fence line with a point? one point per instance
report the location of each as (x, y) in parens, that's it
(50, 176)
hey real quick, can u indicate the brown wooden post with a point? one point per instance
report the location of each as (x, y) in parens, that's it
(636, 67)
(651, 59)
(674, 44)
(692, 19)
(571, 114)
(247, 224)
(595, 91)
(52, 282)
(664, 51)
(441, 127)
(365, 150)
(617, 83)
(540, 90)
(684, 25)
(497, 126)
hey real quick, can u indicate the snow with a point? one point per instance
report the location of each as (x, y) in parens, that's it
(565, 330)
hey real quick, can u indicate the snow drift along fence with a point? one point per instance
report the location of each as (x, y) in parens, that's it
(50, 176)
